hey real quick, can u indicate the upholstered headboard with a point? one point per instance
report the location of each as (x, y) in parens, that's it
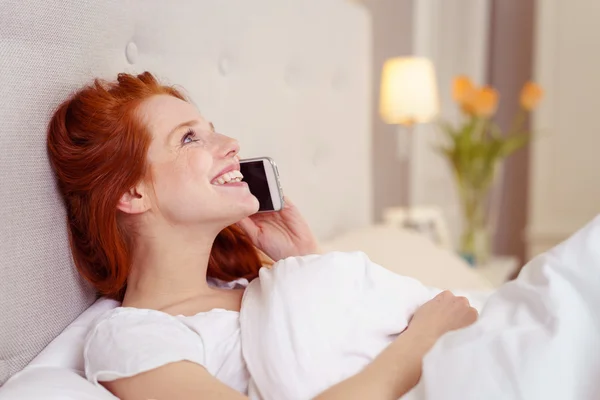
(288, 78)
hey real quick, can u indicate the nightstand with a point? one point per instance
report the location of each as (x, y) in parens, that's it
(497, 269)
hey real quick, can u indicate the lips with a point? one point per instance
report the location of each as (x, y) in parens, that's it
(228, 174)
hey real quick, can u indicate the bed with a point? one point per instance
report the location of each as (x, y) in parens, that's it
(290, 79)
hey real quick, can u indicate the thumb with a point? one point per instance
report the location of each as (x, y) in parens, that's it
(249, 227)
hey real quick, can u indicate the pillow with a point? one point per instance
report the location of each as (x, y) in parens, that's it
(57, 372)
(411, 254)
(51, 383)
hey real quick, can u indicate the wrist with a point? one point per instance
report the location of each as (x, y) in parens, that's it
(316, 249)
(421, 340)
(309, 249)
(398, 367)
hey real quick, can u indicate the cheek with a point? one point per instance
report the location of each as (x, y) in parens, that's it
(182, 180)
(187, 167)
(197, 166)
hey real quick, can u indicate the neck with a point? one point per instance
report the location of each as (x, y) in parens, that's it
(169, 266)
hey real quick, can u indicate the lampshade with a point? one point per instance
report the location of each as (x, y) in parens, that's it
(408, 91)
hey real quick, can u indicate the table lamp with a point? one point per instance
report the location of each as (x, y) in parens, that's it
(408, 96)
(408, 91)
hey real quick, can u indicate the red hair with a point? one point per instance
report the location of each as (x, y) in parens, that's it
(97, 148)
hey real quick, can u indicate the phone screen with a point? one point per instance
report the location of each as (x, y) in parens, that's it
(256, 178)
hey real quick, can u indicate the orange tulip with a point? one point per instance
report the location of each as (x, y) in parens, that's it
(531, 94)
(462, 89)
(483, 103)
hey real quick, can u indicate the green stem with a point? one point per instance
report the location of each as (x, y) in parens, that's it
(518, 122)
(479, 128)
(474, 210)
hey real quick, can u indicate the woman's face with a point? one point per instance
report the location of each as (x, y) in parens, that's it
(194, 170)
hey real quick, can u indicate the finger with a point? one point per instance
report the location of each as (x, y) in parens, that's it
(462, 301)
(445, 295)
(257, 218)
(248, 226)
(472, 315)
(288, 203)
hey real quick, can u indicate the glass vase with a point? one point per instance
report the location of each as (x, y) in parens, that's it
(475, 242)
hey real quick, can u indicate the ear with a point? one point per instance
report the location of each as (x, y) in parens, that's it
(134, 201)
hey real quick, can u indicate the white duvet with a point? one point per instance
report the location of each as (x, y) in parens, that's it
(310, 322)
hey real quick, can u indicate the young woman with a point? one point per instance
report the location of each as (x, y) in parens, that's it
(159, 219)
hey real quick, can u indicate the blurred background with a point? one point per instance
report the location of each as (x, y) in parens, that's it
(545, 189)
(472, 122)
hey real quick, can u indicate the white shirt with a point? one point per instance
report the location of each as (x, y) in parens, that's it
(127, 341)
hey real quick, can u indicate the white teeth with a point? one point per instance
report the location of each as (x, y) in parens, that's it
(231, 176)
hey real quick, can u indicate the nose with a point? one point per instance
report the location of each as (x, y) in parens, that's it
(230, 147)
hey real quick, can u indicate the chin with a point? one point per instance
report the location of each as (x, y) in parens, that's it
(244, 209)
(230, 209)
(252, 207)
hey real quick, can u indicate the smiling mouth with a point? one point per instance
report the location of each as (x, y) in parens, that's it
(228, 177)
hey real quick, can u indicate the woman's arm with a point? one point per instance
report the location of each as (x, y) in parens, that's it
(384, 378)
(178, 380)
(392, 374)
(398, 368)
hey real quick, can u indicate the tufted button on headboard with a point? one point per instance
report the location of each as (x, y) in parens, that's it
(290, 79)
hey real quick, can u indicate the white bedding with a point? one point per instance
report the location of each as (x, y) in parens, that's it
(310, 322)
(537, 337)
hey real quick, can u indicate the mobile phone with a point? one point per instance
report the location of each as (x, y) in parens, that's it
(262, 178)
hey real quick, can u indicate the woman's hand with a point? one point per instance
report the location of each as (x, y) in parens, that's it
(445, 312)
(397, 369)
(281, 234)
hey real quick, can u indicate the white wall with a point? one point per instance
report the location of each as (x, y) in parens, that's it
(454, 35)
(565, 173)
(392, 24)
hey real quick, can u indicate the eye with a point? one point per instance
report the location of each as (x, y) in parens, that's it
(189, 137)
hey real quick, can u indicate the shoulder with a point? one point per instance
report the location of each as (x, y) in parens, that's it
(123, 323)
(125, 316)
(127, 341)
